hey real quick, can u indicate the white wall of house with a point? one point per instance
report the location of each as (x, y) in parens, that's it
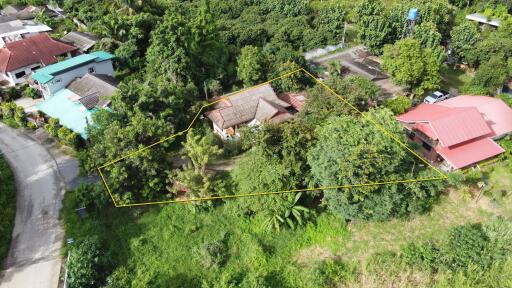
(20, 75)
(62, 80)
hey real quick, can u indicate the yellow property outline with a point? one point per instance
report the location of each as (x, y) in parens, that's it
(442, 176)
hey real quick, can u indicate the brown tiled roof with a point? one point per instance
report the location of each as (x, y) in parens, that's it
(32, 50)
(243, 107)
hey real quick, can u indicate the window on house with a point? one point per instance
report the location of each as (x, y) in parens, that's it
(411, 135)
(58, 80)
(35, 68)
(92, 70)
(20, 74)
(426, 146)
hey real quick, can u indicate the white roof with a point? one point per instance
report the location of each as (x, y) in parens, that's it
(483, 19)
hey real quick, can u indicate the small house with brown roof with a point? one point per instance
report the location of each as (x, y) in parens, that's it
(252, 107)
(19, 59)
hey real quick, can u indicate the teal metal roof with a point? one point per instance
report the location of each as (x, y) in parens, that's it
(46, 74)
(71, 114)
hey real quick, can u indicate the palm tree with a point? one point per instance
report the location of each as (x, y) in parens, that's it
(293, 213)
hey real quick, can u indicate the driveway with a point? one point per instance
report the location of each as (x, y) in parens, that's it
(34, 258)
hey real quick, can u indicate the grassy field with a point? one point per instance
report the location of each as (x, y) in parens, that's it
(8, 206)
(452, 210)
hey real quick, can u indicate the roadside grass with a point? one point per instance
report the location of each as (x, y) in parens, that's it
(454, 78)
(113, 226)
(368, 238)
(8, 207)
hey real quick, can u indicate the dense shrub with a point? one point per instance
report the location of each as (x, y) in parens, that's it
(91, 195)
(86, 263)
(424, 255)
(399, 105)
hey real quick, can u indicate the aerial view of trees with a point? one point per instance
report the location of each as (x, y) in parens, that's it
(174, 57)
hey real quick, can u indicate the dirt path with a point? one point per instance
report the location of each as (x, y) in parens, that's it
(34, 258)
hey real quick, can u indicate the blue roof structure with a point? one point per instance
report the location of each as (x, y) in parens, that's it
(71, 114)
(46, 74)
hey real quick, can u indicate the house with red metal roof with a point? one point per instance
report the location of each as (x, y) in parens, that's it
(20, 58)
(459, 132)
(252, 107)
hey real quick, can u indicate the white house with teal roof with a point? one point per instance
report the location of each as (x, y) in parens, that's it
(53, 78)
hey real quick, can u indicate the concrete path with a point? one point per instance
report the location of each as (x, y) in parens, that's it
(34, 258)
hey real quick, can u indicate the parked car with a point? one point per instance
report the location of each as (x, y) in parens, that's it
(437, 96)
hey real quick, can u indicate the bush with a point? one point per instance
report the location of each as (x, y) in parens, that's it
(85, 265)
(52, 127)
(466, 245)
(333, 272)
(19, 116)
(473, 176)
(399, 105)
(7, 110)
(91, 195)
(30, 92)
(424, 255)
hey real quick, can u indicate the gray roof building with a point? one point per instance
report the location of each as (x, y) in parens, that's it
(94, 90)
(83, 41)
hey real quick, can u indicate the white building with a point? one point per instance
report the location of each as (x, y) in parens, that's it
(19, 59)
(54, 77)
(20, 29)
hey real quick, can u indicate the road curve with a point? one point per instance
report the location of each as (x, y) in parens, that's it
(34, 258)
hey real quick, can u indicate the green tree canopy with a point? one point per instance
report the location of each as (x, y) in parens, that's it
(353, 151)
(250, 65)
(464, 38)
(412, 66)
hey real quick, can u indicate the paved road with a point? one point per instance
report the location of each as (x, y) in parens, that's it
(34, 256)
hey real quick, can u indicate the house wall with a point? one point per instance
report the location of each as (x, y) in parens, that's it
(11, 76)
(62, 80)
(429, 155)
(221, 132)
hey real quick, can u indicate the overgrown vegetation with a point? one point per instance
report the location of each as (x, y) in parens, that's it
(8, 204)
(171, 56)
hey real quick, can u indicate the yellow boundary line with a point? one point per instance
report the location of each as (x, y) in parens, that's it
(372, 121)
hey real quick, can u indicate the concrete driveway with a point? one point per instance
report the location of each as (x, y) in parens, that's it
(34, 258)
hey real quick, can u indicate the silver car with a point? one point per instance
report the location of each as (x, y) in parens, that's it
(437, 96)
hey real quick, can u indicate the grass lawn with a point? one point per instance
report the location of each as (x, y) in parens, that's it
(453, 78)
(8, 207)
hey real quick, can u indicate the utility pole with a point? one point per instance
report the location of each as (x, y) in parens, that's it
(205, 90)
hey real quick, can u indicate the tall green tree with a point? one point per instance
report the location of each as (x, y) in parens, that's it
(464, 38)
(352, 151)
(373, 26)
(250, 65)
(412, 66)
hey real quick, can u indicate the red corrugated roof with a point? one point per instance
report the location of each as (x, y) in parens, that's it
(460, 156)
(496, 113)
(426, 129)
(36, 49)
(451, 125)
(460, 126)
